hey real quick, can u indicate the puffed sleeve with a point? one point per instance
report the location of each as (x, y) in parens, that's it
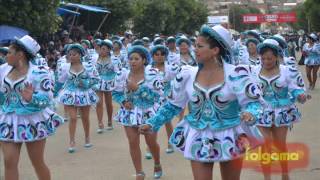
(241, 82)
(295, 81)
(43, 85)
(120, 86)
(178, 99)
(93, 78)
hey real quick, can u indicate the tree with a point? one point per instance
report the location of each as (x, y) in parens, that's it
(302, 22)
(31, 15)
(151, 17)
(168, 16)
(311, 8)
(235, 17)
(121, 12)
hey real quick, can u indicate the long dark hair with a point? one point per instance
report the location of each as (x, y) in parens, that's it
(18, 48)
(214, 43)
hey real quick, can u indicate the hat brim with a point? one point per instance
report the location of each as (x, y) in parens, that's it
(140, 49)
(282, 43)
(77, 46)
(181, 40)
(212, 33)
(262, 46)
(161, 48)
(21, 44)
(253, 40)
(310, 37)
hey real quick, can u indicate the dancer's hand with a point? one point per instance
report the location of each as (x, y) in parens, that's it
(27, 92)
(246, 116)
(302, 98)
(127, 105)
(145, 129)
(132, 86)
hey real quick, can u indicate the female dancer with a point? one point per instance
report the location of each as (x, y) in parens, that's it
(137, 91)
(107, 69)
(254, 58)
(78, 93)
(168, 72)
(223, 106)
(26, 116)
(312, 60)
(282, 85)
(186, 57)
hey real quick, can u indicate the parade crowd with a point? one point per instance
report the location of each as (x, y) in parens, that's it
(228, 95)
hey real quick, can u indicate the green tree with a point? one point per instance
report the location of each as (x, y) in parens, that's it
(151, 17)
(302, 22)
(168, 16)
(311, 8)
(235, 17)
(121, 12)
(32, 15)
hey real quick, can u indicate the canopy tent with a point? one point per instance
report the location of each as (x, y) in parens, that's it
(77, 7)
(85, 7)
(62, 11)
(8, 33)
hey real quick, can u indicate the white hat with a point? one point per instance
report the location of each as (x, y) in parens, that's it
(30, 45)
(270, 43)
(222, 36)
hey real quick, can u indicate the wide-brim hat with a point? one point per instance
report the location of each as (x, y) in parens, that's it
(140, 49)
(162, 48)
(171, 39)
(158, 41)
(253, 40)
(4, 50)
(281, 40)
(313, 36)
(183, 39)
(77, 46)
(86, 42)
(255, 34)
(107, 43)
(97, 41)
(222, 36)
(272, 44)
(118, 42)
(137, 42)
(145, 39)
(30, 45)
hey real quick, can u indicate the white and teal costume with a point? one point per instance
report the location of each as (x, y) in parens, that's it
(78, 89)
(144, 99)
(280, 93)
(107, 70)
(212, 131)
(22, 121)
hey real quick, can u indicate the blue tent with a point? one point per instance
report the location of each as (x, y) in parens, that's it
(75, 6)
(8, 33)
(63, 11)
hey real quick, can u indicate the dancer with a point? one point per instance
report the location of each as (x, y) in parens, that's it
(282, 86)
(26, 116)
(107, 68)
(137, 91)
(312, 61)
(78, 93)
(223, 107)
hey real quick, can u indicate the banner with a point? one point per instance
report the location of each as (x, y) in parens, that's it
(261, 18)
(214, 20)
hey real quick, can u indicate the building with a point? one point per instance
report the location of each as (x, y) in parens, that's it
(220, 7)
